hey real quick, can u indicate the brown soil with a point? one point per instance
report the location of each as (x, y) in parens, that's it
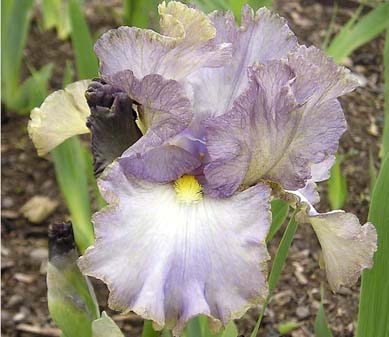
(25, 175)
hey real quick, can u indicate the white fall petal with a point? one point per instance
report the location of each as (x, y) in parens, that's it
(169, 261)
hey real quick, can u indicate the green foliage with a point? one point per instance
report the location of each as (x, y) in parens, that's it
(285, 328)
(373, 319)
(55, 14)
(199, 327)
(385, 145)
(148, 330)
(140, 13)
(337, 185)
(71, 299)
(32, 91)
(321, 325)
(278, 265)
(234, 5)
(330, 27)
(86, 61)
(372, 170)
(15, 21)
(358, 32)
(279, 210)
(106, 327)
(71, 170)
(16, 17)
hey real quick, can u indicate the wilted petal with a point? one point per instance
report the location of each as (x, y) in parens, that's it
(168, 260)
(281, 138)
(112, 123)
(164, 111)
(347, 247)
(63, 114)
(263, 36)
(186, 46)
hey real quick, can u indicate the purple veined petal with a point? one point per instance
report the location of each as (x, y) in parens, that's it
(280, 137)
(63, 114)
(168, 260)
(262, 37)
(165, 112)
(318, 78)
(186, 46)
(348, 248)
(160, 164)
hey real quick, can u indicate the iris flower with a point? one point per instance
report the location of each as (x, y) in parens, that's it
(194, 131)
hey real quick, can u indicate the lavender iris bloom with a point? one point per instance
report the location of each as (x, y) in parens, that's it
(231, 116)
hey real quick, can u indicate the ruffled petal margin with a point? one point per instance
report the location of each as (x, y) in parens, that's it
(284, 128)
(187, 44)
(168, 261)
(262, 36)
(63, 114)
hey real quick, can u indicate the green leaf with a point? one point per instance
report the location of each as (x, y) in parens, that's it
(321, 325)
(148, 330)
(209, 6)
(105, 327)
(285, 328)
(72, 172)
(193, 328)
(385, 145)
(330, 26)
(231, 330)
(374, 298)
(55, 14)
(67, 74)
(279, 210)
(278, 265)
(50, 11)
(372, 170)
(337, 185)
(15, 22)
(33, 90)
(86, 61)
(356, 34)
(140, 13)
(255, 4)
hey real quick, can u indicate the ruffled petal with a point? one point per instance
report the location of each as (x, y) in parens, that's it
(169, 261)
(347, 247)
(186, 46)
(263, 36)
(318, 78)
(280, 137)
(164, 111)
(63, 114)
